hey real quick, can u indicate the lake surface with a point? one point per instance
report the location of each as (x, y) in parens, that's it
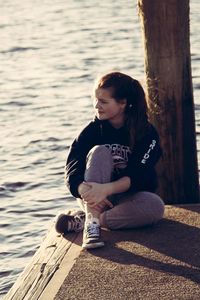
(50, 54)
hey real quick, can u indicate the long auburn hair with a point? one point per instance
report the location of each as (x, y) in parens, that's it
(125, 87)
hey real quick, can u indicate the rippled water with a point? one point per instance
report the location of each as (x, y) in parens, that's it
(50, 54)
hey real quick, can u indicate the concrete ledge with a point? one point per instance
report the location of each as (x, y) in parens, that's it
(158, 262)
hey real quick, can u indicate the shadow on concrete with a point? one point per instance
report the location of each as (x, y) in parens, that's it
(175, 248)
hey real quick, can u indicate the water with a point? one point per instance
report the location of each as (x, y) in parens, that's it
(50, 54)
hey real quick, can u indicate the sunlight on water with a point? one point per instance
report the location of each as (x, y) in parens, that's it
(50, 55)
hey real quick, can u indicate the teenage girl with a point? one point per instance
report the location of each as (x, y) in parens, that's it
(110, 167)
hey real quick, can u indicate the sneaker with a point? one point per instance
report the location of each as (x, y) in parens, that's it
(91, 235)
(70, 222)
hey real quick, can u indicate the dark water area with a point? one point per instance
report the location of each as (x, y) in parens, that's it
(50, 54)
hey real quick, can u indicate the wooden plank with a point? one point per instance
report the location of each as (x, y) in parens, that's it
(65, 267)
(44, 264)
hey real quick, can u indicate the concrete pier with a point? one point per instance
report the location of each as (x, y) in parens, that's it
(158, 262)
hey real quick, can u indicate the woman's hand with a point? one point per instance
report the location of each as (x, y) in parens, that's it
(96, 194)
(83, 187)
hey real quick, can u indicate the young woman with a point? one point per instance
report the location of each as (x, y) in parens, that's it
(110, 166)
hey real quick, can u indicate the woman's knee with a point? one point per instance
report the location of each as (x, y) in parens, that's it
(152, 204)
(159, 207)
(99, 165)
(100, 151)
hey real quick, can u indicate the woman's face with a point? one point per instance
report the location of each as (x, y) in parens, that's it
(107, 108)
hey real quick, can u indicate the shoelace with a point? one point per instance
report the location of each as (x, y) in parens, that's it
(92, 229)
(77, 223)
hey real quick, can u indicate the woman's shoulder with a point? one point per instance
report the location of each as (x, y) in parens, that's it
(152, 130)
(151, 133)
(89, 128)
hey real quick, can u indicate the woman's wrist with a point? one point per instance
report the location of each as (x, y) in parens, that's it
(109, 188)
(83, 187)
(119, 186)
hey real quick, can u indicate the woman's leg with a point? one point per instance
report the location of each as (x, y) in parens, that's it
(133, 211)
(99, 167)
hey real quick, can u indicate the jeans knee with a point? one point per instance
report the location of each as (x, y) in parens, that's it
(99, 150)
(100, 153)
(159, 207)
(99, 165)
(152, 204)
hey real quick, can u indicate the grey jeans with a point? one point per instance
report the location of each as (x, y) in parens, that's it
(131, 210)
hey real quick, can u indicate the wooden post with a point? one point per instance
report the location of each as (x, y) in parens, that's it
(165, 25)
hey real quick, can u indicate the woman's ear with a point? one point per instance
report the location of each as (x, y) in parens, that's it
(123, 103)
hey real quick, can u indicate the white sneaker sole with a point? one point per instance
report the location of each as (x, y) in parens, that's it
(93, 245)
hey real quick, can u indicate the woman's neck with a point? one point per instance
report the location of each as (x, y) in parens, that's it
(117, 123)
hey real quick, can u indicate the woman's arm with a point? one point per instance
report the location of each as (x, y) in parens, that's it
(96, 193)
(76, 160)
(141, 165)
(119, 186)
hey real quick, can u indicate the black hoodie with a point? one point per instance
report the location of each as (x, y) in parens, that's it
(137, 164)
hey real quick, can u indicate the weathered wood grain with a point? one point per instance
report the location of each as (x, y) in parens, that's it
(46, 261)
(166, 35)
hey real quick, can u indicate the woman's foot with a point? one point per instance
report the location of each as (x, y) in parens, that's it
(71, 222)
(92, 234)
